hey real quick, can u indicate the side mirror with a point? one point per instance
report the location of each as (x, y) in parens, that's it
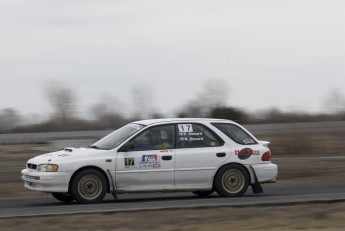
(127, 147)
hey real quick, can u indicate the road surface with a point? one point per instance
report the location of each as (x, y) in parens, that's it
(275, 194)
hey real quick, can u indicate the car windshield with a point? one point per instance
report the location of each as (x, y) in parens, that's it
(117, 137)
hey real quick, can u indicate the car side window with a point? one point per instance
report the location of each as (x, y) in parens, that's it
(235, 133)
(155, 138)
(196, 136)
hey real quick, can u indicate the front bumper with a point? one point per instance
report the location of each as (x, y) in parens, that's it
(266, 173)
(46, 181)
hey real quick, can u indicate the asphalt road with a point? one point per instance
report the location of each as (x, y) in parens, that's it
(275, 194)
(279, 193)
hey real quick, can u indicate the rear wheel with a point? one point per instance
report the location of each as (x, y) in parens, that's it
(203, 193)
(232, 181)
(64, 197)
(89, 186)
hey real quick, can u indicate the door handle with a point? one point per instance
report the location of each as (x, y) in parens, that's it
(221, 154)
(166, 157)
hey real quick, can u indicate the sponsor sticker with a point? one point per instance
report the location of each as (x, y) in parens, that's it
(136, 126)
(150, 161)
(246, 153)
(248, 141)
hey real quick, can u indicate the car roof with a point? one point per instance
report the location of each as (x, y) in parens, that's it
(167, 120)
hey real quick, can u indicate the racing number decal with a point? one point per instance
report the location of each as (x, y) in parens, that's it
(129, 162)
(185, 128)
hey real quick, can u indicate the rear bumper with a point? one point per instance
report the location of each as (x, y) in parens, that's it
(265, 173)
(46, 181)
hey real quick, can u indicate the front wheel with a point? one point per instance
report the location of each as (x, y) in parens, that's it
(232, 181)
(64, 197)
(89, 186)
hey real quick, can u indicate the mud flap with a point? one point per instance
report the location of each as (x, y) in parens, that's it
(256, 187)
(113, 192)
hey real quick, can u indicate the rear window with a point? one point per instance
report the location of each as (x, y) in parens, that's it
(235, 133)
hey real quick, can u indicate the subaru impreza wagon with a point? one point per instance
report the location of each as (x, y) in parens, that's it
(159, 155)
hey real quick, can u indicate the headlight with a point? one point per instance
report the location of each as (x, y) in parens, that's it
(47, 168)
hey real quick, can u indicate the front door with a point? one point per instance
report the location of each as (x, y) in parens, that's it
(149, 162)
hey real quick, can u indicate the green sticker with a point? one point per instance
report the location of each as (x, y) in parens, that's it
(129, 162)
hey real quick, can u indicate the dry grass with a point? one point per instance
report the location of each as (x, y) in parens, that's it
(296, 217)
(304, 144)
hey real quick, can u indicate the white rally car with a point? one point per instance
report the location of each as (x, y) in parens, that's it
(197, 155)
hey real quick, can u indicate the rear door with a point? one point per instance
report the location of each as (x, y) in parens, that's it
(199, 152)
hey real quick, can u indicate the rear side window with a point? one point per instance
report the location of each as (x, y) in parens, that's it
(235, 133)
(196, 136)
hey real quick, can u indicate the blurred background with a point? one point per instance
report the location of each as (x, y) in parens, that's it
(96, 65)
(73, 71)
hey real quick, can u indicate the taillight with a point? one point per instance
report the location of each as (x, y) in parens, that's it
(266, 156)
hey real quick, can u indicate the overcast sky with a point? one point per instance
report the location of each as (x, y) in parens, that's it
(270, 53)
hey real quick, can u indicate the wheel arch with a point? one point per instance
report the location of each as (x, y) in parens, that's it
(90, 167)
(246, 167)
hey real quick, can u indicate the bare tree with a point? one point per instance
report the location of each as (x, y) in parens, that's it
(9, 118)
(335, 102)
(108, 111)
(142, 101)
(193, 108)
(213, 94)
(62, 99)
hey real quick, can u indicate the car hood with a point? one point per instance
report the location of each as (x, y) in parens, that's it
(63, 155)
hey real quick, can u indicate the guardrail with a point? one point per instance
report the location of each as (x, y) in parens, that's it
(256, 129)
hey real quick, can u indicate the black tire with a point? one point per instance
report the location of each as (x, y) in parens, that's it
(89, 186)
(231, 181)
(64, 197)
(203, 193)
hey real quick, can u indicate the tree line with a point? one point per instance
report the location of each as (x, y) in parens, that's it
(209, 102)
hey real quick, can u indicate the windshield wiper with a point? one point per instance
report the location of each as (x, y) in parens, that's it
(95, 147)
